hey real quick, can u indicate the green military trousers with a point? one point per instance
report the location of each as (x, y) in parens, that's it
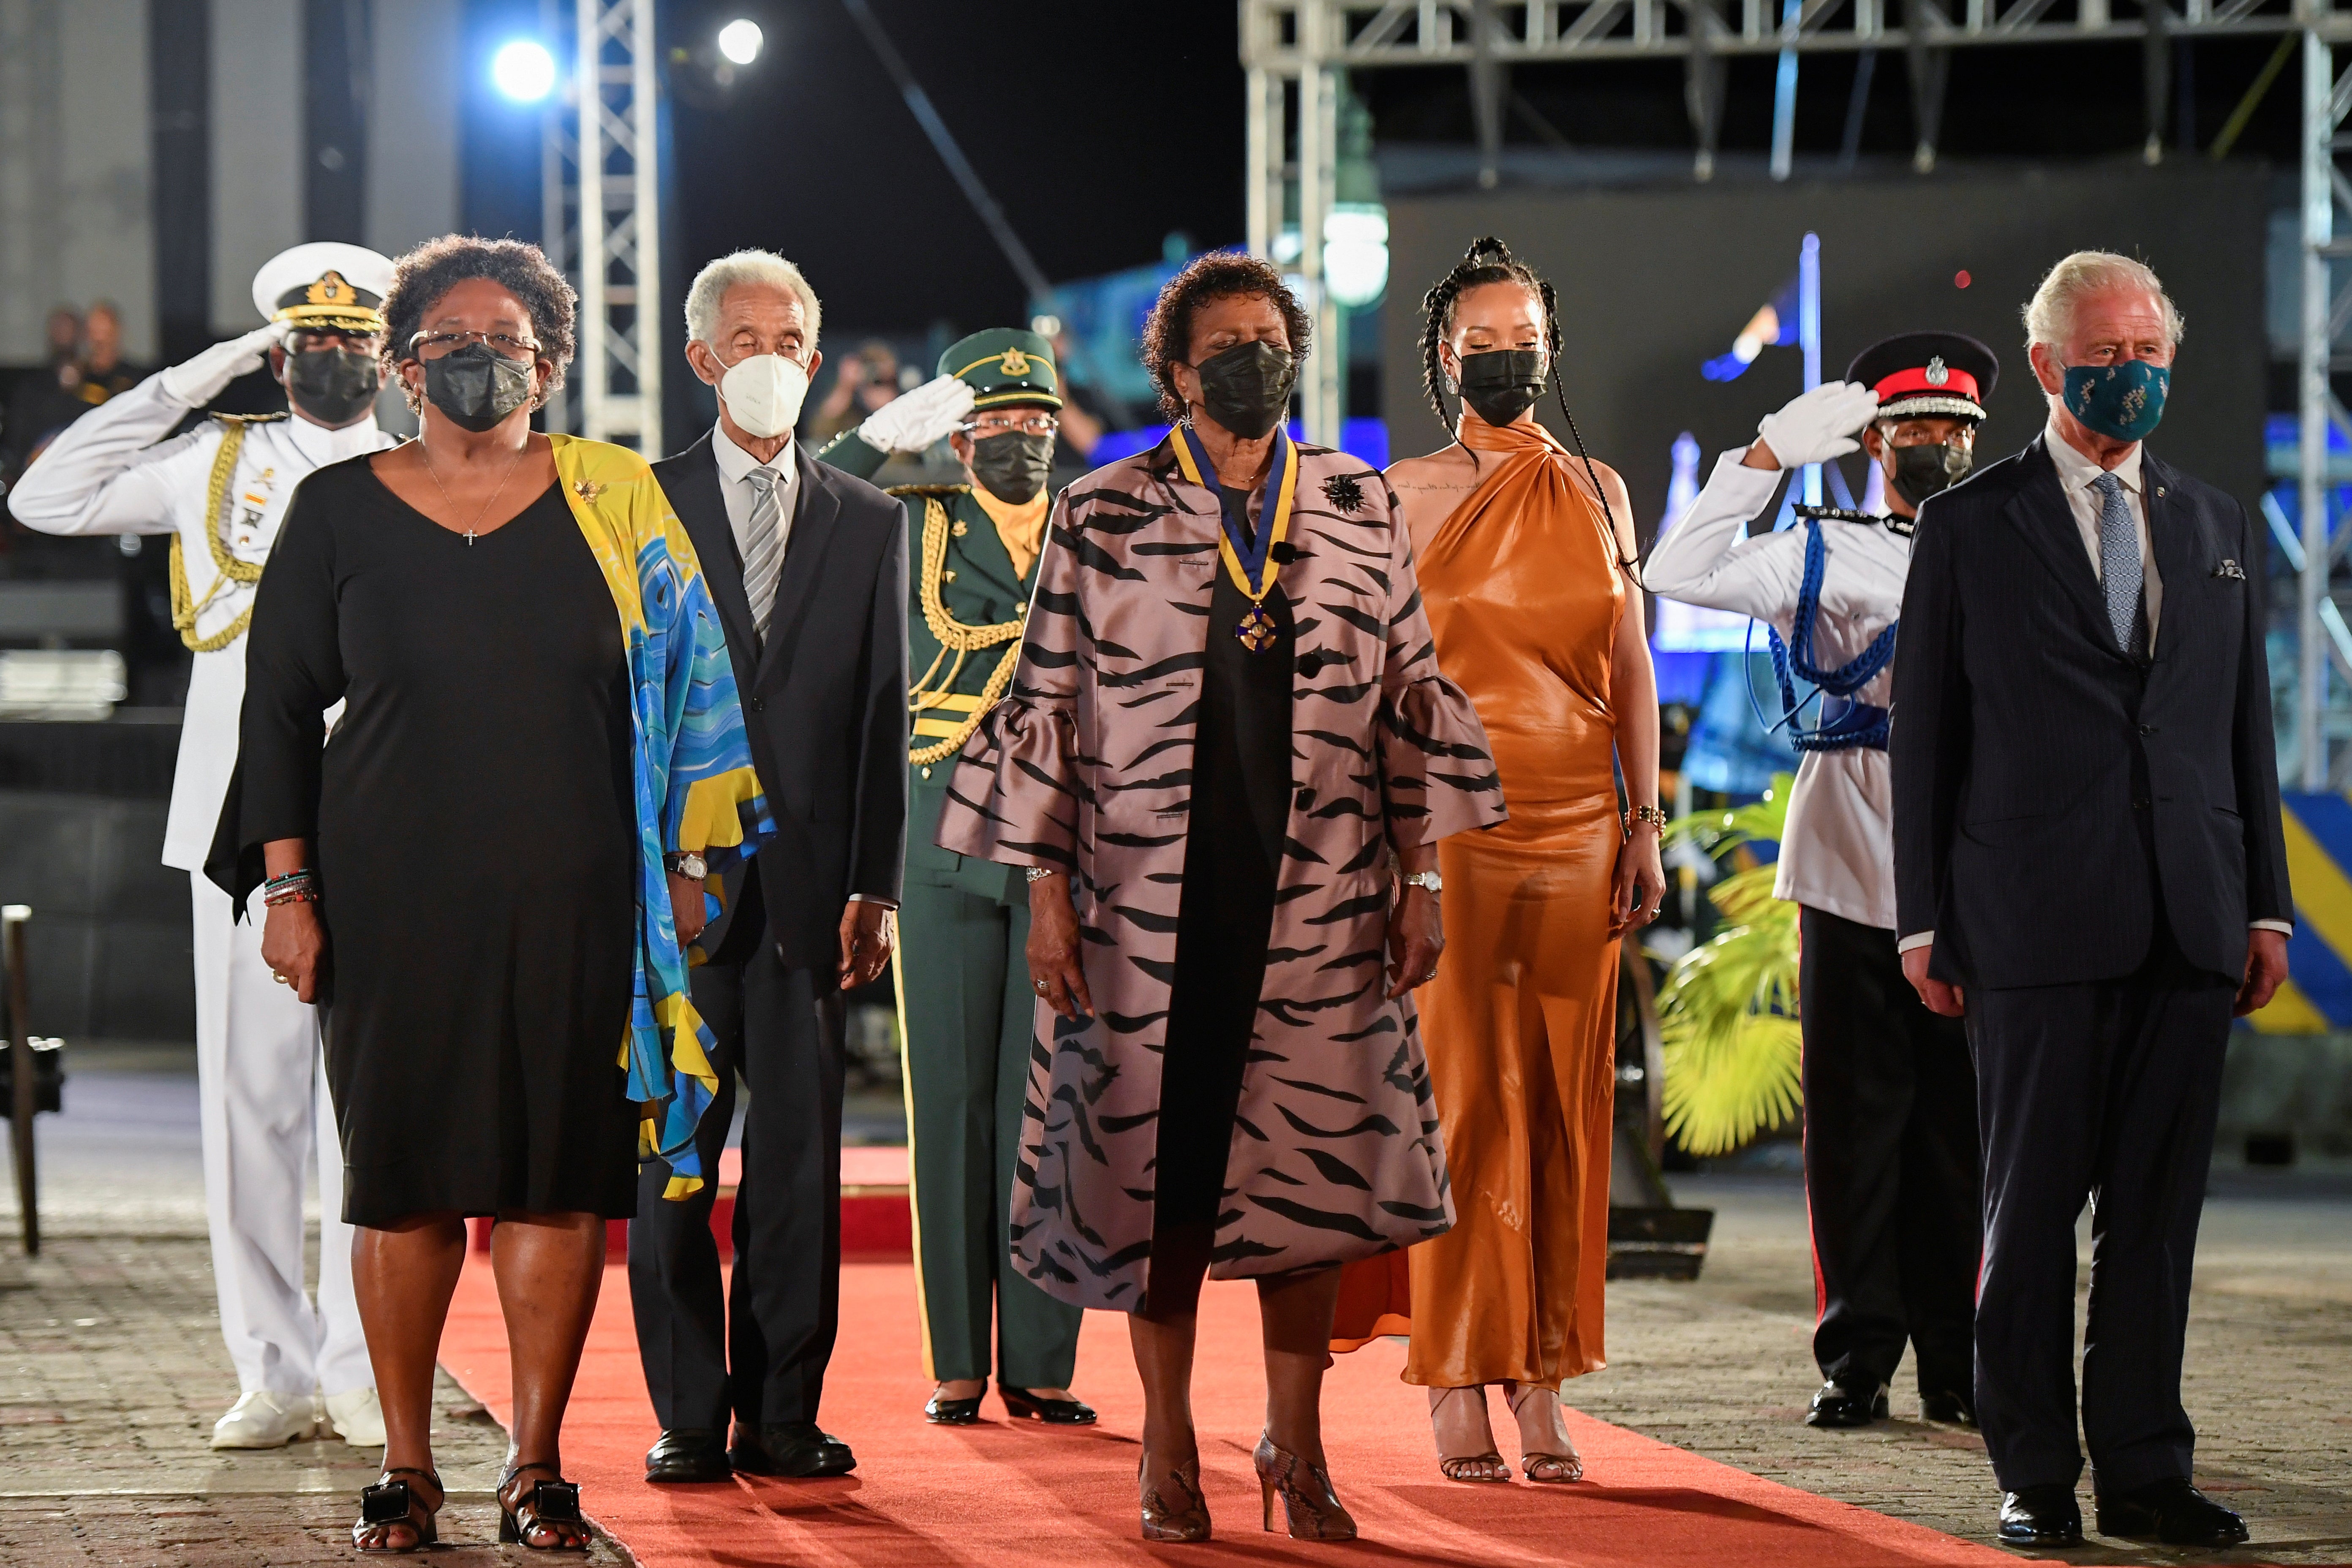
(965, 1012)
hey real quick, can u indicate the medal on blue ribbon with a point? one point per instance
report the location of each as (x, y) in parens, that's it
(1253, 563)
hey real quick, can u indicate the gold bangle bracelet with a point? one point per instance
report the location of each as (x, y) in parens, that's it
(1652, 815)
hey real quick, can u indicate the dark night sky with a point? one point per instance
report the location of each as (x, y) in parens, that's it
(1099, 127)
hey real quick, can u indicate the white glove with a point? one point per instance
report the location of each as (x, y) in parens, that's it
(1817, 425)
(912, 421)
(198, 381)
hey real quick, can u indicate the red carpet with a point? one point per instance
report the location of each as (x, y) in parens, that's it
(925, 1497)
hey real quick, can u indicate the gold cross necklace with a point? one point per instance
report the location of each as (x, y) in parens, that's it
(426, 453)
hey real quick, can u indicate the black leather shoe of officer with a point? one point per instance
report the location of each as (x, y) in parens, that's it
(1951, 1409)
(795, 1448)
(1024, 1405)
(2040, 1516)
(688, 1453)
(945, 1412)
(2171, 1511)
(1847, 1404)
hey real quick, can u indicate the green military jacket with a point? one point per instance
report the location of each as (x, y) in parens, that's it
(963, 636)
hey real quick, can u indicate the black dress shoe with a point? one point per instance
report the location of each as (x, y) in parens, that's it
(948, 1411)
(795, 1448)
(688, 1453)
(2171, 1511)
(2040, 1516)
(1024, 1405)
(1845, 1404)
(1947, 1407)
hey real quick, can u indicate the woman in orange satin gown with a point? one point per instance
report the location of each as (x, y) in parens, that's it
(1528, 580)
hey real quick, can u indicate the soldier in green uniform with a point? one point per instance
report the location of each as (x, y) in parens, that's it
(965, 1006)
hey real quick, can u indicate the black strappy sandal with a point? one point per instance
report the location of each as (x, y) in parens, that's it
(548, 1505)
(392, 1501)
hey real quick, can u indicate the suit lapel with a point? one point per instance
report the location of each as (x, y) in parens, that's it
(701, 506)
(2039, 510)
(2172, 537)
(816, 512)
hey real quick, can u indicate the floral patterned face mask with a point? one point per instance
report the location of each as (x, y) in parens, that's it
(2122, 402)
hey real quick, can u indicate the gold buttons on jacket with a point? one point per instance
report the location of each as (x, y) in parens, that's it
(948, 575)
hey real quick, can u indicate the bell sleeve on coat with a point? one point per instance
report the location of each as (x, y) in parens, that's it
(1437, 777)
(1015, 794)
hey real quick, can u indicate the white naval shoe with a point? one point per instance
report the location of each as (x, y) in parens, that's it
(356, 1418)
(264, 1420)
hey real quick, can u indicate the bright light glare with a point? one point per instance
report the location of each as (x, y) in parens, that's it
(524, 71)
(740, 40)
(1356, 252)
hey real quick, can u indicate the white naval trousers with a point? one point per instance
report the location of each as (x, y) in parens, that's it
(262, 1098)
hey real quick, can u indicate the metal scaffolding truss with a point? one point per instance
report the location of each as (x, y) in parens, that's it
(1296, 52)
(602, 216)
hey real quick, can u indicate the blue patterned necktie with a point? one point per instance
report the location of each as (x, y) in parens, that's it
(2119, 568)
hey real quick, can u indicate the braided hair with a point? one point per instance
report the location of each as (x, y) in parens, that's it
(1489, 260)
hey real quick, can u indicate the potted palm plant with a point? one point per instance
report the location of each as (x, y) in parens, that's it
(1728, 1012)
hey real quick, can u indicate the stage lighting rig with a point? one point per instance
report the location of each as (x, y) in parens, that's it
(740, 40)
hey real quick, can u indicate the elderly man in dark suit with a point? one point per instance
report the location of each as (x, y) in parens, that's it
(2090, 869)
(809, 569)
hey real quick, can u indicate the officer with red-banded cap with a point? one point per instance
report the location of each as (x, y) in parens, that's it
(218, 491)
(1891, 1150)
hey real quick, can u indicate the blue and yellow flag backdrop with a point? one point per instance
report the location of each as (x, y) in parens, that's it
(2317, 995)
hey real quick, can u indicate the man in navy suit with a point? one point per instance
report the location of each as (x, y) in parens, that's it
(2090, 869)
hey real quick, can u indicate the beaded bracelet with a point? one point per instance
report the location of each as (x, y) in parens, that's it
(305, 894)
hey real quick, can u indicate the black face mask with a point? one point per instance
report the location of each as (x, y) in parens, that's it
(333, 386)
(1013, 466)
(1246, 388)
(476, 386)
(1500, 384)
(1923, 472)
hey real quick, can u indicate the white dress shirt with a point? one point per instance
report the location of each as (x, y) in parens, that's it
(735, 466)
(1837, 852)
(112, 471)
(2076, 475)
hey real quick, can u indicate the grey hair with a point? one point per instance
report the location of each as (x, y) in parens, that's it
(2050, 314)
(710, 286)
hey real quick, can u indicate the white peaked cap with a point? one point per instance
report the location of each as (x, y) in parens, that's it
(324, 283)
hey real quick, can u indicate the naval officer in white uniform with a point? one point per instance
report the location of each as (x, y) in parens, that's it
(1891, 1160)
(219, 491)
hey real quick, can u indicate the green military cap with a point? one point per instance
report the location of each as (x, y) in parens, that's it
(1006, 365)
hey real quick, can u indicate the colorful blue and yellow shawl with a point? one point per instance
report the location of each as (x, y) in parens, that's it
(692, 761)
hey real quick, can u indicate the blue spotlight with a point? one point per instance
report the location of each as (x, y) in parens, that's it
(524, 71)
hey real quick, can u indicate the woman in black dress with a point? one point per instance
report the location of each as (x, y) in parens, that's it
(462, 873)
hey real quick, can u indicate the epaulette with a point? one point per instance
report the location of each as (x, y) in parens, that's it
(928, 491)
(250, 418)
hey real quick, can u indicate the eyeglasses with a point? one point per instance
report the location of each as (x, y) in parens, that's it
(1012, 425)
(433, 345)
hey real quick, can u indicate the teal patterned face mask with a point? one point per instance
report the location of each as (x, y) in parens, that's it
(2122, 402)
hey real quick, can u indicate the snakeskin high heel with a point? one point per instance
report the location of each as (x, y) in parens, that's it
(1174, 1510)
(1309, 1507)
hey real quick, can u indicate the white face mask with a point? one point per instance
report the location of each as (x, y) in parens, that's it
(763, 395)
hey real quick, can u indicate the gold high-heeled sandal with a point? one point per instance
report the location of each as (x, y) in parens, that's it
(1554, 1469)
(1174, 1510)
(1309, 1507)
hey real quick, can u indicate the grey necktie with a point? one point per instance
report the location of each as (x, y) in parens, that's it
(2120, 569)
(763, 549)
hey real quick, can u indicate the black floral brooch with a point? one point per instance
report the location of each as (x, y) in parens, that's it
(1342, 491)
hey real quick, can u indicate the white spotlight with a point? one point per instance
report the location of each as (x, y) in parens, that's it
(524, 71)
(740, 40)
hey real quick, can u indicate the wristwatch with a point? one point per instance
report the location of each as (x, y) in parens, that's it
(1428, 881)
(686, 863)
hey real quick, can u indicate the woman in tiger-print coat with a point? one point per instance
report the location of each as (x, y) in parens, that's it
(1227, 1074)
